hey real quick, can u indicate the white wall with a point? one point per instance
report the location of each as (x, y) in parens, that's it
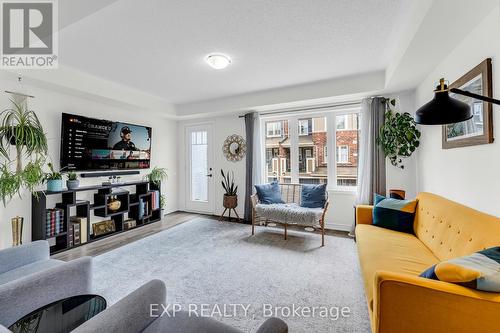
(223, 127)
(469, 175)
(404, 179)
(49, 105)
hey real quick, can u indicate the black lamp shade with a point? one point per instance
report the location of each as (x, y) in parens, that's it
(443, 110)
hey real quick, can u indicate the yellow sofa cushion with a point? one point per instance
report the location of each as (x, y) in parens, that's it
(388, 250)
(453, 230)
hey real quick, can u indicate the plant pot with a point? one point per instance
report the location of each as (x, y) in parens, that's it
(54, 185)
(230, 201)
(17, 230)
(72, 184)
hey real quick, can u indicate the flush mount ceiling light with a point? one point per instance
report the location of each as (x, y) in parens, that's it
(218, 60)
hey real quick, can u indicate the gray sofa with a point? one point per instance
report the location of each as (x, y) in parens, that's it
(132, 315)
(29, 279)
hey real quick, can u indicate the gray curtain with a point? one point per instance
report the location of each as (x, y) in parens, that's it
(249, 132)
(371, 166)
(377, 183)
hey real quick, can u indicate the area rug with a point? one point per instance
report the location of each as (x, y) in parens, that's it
(220, 270)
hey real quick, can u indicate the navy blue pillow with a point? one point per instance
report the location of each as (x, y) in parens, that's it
(313, 196)
(269, 193)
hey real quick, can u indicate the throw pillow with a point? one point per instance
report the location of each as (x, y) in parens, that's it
(480, 270)
(313, 196)
(269, 193)
(394, 214)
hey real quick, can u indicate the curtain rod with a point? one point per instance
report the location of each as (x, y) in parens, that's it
(312, 108)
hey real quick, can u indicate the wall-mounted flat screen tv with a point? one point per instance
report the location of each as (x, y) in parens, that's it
(96, 144)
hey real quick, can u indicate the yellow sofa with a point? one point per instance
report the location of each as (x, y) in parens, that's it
(399, 301)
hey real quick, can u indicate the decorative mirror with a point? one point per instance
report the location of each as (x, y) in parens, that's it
(234, 148)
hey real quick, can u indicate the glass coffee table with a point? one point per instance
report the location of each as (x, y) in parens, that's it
(61, 316)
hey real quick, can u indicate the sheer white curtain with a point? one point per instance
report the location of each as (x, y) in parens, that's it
(364, 187)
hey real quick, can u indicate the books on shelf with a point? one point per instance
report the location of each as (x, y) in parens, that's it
(155, 200)
(74, 234)
(143, 208)
(54, 222)
(82, 227)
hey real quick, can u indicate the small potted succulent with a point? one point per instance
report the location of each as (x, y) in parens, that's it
(72, 183)
(230, 197)
(54, 179)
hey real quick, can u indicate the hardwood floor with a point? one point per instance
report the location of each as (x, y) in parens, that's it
(168, 221)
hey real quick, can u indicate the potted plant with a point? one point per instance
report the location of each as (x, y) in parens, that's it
(230, 197)
(157, 175)
(54, 179)
(398, 136)
(72, 183)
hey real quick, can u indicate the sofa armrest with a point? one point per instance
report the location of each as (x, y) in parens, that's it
(18, 256)
(133, 313)
(273, 325)
(407, 303)
(364, 214)
(24, 295)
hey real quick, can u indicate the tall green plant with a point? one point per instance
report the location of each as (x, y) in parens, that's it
(228, 183)
(398, 136)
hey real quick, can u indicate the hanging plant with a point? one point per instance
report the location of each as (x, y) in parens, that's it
(21, 129)
(398, 136)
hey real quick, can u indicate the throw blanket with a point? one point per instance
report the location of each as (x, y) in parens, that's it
(290, 213)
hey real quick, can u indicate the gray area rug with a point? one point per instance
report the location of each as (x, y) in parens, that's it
(209, 264)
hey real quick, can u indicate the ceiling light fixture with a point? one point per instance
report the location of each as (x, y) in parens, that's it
(218, 60)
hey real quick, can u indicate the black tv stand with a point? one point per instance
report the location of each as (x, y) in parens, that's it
(129, 206)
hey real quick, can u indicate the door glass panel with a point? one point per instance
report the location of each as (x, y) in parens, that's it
(313, 167)
(199, 166)
(277, 151)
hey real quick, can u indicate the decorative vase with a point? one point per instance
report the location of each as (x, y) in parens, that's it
(230, 201)
(17, 230)
(72, 184)
(54, 185)
(114, 204)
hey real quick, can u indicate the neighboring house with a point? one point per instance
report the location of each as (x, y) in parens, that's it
(313, 150)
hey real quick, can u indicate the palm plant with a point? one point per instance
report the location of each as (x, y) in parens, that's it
(228, 183)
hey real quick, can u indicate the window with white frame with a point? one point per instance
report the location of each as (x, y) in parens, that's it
(304, 127)
(343, 154)
(304, 148)
(274, 129)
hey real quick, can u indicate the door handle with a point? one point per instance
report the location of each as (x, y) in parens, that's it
(209, 175)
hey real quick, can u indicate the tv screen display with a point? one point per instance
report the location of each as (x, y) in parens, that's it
(95, 144)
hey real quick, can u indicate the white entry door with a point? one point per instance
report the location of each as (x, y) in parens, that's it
(200, 173)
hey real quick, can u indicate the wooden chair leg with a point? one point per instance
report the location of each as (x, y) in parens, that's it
(285, 231)
(322, 233)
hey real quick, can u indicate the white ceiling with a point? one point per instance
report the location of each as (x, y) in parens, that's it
(158, 46)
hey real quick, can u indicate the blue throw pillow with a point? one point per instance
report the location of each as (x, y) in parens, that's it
(394, 214)
(313, 196)
(478, 271)
(269, 193)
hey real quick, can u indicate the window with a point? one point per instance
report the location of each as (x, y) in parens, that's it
(304, 127)
(273, 129)
(301, 156)
(277, 144)
(342, 154)
(346, 139)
